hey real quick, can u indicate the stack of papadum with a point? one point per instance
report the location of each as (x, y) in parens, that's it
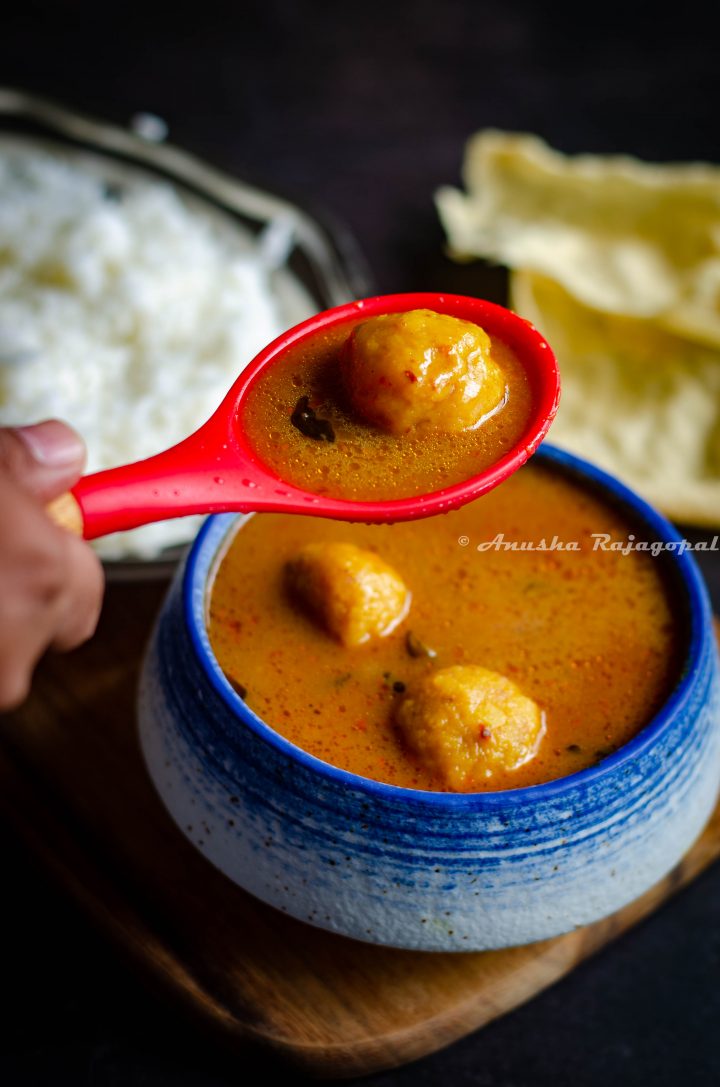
(617, 262)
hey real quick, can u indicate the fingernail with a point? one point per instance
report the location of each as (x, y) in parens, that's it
(52, 443)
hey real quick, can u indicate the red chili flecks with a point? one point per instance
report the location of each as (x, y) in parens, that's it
(410, 375)
(485, 733)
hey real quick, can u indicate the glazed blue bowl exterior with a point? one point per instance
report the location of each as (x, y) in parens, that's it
(437, 871)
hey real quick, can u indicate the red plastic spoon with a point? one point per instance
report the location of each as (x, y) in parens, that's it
(214, 470)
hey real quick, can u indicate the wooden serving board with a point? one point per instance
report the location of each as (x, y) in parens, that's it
(73, 784)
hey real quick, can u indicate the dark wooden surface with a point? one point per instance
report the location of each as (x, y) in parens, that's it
(74, 789)
(364, 111)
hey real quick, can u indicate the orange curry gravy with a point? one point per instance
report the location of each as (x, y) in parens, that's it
(589, 635)
(363, 463)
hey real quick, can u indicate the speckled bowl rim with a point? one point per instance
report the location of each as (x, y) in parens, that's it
(689, 585)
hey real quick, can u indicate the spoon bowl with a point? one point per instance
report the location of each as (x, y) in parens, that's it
(215, 470)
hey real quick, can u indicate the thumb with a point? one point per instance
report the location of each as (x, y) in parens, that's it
(45, 459)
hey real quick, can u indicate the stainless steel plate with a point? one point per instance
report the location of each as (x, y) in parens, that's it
(318, 263)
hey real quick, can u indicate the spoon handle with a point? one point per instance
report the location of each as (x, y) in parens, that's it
(192, 477)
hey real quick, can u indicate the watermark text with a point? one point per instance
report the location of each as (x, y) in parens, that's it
(601, 541)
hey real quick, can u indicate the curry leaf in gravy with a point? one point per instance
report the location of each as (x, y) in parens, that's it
(239, 688)
(306, 421)
(416, 647)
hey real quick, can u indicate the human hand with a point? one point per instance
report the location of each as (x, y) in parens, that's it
(51, 583)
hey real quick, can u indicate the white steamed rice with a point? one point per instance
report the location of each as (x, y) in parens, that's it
(127, 312)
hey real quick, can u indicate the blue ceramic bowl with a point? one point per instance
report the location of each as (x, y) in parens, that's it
(438, 871)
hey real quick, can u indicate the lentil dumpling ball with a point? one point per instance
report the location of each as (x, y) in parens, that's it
(466, 723)
(421, 369)
(352, 592)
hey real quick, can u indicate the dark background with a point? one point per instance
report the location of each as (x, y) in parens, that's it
(363, 111)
